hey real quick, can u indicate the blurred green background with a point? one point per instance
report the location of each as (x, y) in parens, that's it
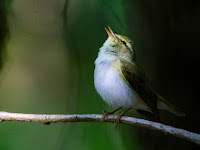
(47, 58)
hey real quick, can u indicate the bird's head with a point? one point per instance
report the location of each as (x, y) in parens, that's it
(119, 46)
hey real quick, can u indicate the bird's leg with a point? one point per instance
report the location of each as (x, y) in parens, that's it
(119, 116)
(105, 114)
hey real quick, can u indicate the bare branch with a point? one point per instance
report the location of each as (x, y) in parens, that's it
(47, 119)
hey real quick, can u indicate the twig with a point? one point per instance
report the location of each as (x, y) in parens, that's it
(47, 119)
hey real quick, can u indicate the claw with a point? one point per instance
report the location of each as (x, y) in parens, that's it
(106, 114)
(120, 116)
(118, 120)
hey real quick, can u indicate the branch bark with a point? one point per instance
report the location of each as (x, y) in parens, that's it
(47, 119)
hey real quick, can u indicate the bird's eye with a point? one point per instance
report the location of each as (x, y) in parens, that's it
(123, 42)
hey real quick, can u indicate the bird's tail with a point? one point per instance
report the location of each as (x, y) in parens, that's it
(164, 105)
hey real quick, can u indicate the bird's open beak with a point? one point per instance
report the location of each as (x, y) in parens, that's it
(111, 33)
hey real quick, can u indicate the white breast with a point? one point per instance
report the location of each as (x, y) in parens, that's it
(112, 88)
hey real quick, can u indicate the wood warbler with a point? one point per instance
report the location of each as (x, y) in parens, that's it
(122, 83)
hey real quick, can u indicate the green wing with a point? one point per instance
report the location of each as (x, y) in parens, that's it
(138, 80)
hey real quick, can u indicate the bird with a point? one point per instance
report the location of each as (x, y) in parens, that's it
(122, 83)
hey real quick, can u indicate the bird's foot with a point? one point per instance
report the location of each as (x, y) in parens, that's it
(120, 116)
(106, 114)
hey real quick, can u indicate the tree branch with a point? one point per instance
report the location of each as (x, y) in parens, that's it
(47, 119)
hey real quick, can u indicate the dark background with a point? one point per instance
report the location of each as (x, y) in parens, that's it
(47, 58)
